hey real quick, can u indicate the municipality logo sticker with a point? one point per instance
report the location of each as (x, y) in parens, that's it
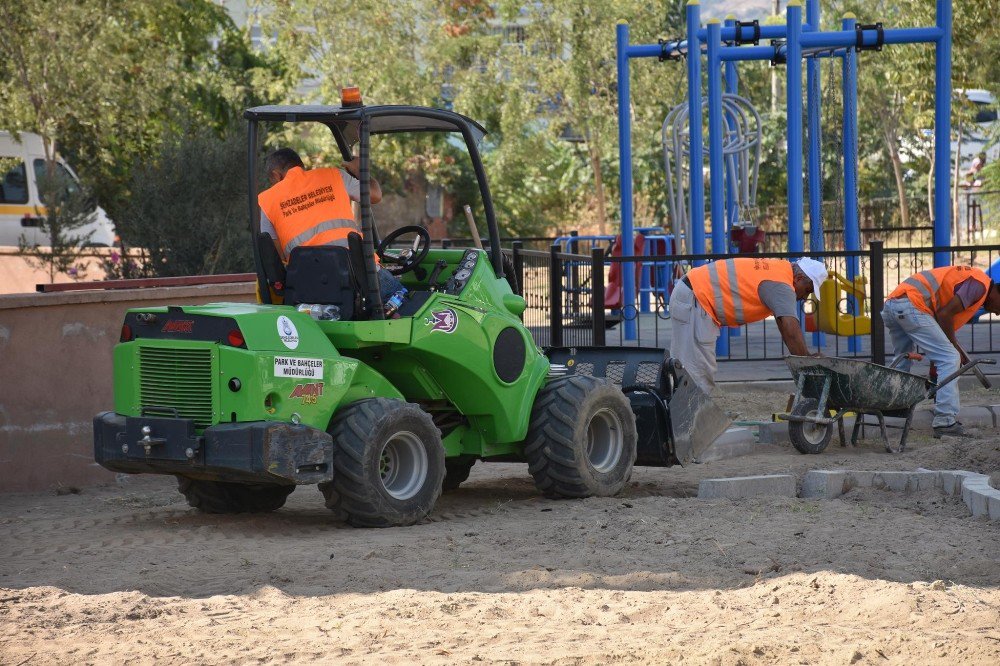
(287, 332)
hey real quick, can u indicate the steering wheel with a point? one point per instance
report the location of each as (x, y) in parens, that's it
(408, 258)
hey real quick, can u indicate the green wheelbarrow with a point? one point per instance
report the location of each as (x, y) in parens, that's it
(829, 387)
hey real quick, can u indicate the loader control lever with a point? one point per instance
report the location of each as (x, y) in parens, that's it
(432, 282)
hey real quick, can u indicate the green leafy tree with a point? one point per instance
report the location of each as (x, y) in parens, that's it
(67, 208)
(188, 208)
(108, 80)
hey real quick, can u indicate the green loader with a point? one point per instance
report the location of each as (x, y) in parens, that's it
(315, 385)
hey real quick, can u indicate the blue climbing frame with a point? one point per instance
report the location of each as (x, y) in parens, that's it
(725, 45)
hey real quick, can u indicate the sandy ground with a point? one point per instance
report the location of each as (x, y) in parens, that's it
(127, 573)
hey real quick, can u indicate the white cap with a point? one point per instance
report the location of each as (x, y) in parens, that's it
(814, 270)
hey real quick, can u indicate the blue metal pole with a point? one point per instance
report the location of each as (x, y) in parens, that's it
(716, 170)
(625, 160)
(852, 234)
(942, 134)
(815, 173)
(811, 40)
(870, 37)
(793, 89)
(732, 209)
(732, 88)
(813, 101)
(696, 186)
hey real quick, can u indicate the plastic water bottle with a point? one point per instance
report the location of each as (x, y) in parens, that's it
(394, 303)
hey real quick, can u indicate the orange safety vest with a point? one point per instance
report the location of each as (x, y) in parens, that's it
(931, 290)
(727, 289)
(309, 208)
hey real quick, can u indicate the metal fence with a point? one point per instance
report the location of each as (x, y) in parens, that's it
(566, 300)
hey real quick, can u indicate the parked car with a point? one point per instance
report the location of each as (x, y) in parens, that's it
(22, 162)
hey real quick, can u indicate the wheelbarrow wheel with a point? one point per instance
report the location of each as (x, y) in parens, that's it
(808, 437)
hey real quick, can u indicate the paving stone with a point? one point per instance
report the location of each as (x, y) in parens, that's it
(896, 481)
(824, 484)
(773, 433)
(976, 417)
(862, 479)
(733, 443)
(975, 494)
(994, 504)
(928, 482)
(951, 480)
(775, 485)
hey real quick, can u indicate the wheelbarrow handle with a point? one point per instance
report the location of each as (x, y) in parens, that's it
(958, 373)
(913, 356)
(979, 373)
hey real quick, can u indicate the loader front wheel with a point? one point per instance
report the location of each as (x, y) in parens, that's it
(226, 497)
(388, 464)
(582, 439)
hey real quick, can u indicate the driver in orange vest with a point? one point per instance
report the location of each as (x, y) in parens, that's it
(314, 207)
(927, 309)
(734, 292)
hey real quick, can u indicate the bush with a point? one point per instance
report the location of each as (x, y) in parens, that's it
(188, 209)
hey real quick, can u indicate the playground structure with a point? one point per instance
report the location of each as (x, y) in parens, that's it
(722, 47)
(740, 149)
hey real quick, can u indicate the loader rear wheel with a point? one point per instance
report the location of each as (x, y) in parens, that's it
(226, 497)
(388, 464)
(808, 437)
(582, 439)
(456, 472)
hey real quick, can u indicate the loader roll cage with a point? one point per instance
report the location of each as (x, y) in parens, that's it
(352, 126)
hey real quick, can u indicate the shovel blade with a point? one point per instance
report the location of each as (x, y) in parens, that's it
(695, 420)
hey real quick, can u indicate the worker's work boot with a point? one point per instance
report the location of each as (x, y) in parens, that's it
(956, 429)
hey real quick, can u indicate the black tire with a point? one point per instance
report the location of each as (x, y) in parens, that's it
(226, 497)
(456, 472)
(808, 438)
(582, 439)
(388, 464)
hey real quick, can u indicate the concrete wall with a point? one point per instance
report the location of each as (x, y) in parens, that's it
(55, 375)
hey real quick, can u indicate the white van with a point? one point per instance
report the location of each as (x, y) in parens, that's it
(22, 161)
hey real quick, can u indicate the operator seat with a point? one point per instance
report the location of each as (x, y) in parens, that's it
(323, 274)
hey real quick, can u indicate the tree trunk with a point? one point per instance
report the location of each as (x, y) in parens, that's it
(897, 170)
(595, 164)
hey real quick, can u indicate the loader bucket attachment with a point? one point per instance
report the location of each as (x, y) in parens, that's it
(695, 420)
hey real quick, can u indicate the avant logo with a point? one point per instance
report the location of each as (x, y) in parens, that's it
(287, 332)
(178, 326)
(445, 321)
(303, 390)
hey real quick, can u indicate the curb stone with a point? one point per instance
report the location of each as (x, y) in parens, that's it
(975, 489)
(733, 443)
(741, 487)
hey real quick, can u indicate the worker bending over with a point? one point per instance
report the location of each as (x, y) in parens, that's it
(926, 310)
(733, 292)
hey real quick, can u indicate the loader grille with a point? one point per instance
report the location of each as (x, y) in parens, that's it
(177, 379)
